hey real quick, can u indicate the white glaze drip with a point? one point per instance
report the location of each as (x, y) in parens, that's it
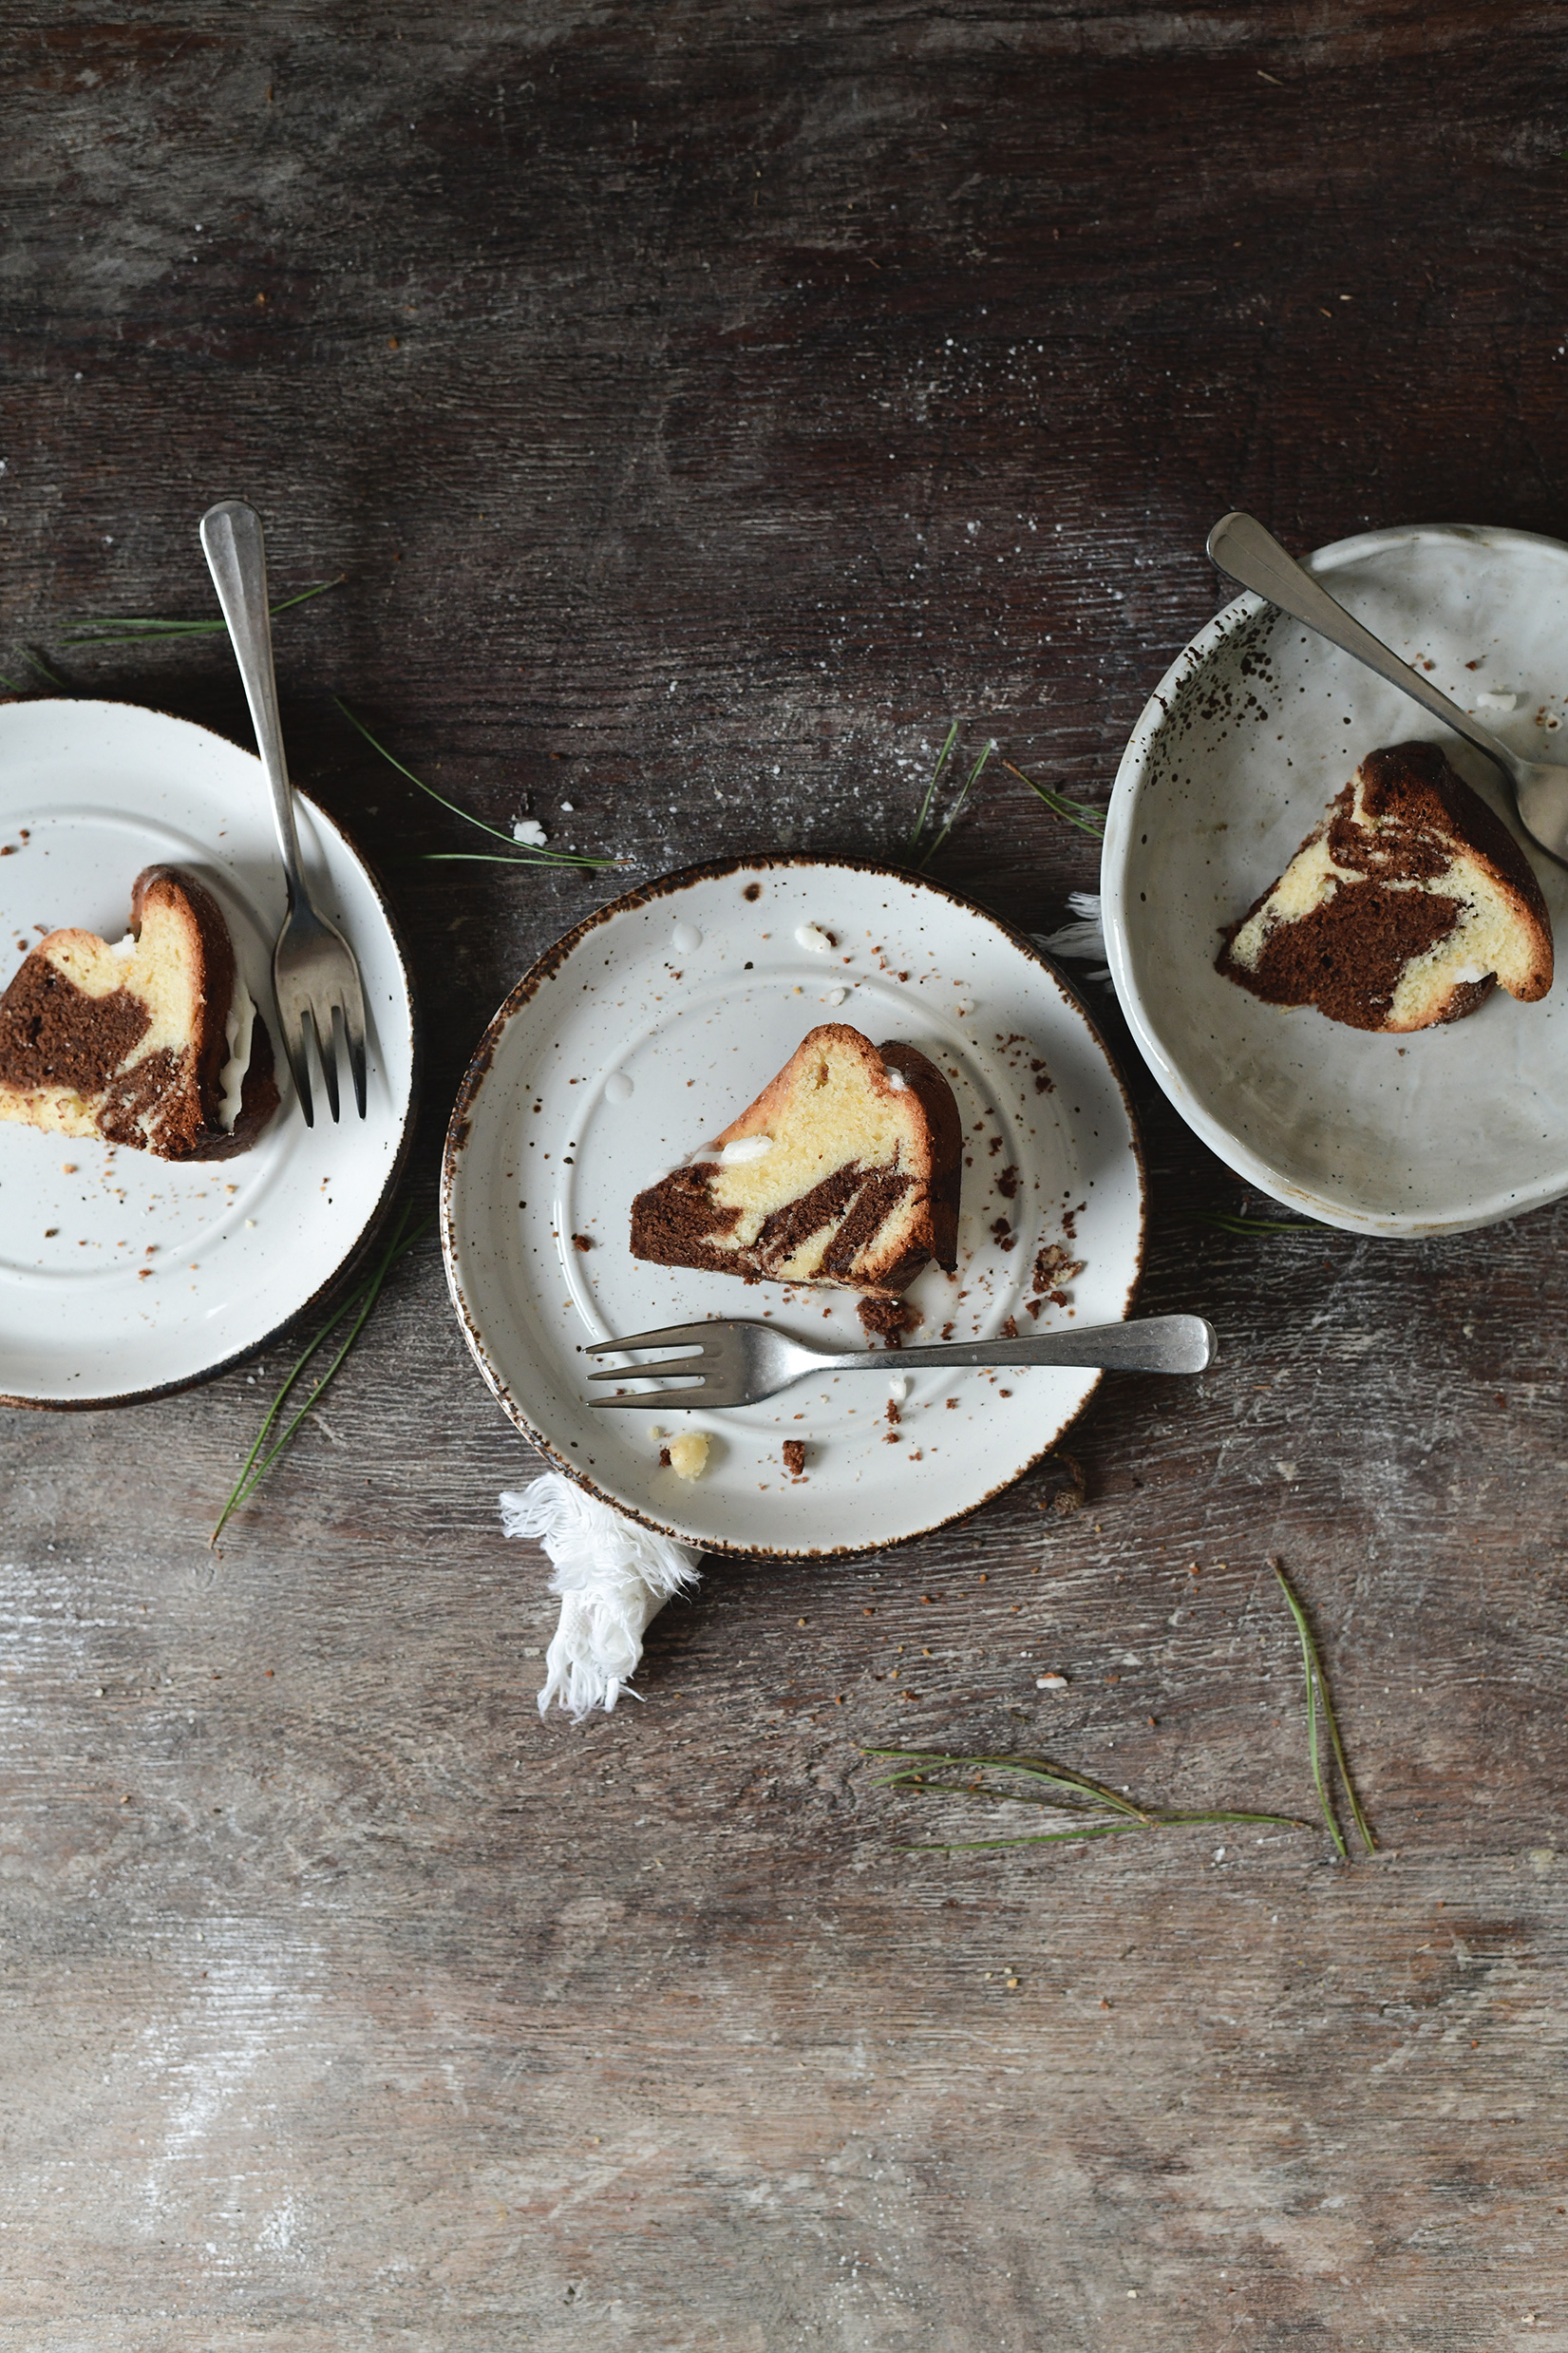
(237, 1030)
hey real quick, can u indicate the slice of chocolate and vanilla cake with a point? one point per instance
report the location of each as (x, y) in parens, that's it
(844, 1171)
(1404, 908)
(154, 1041)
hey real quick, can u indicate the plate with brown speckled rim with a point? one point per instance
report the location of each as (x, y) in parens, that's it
(634, 1040)
(1248, 737)
(121, 1275)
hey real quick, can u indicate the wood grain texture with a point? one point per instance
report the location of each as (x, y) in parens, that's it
(707, 405)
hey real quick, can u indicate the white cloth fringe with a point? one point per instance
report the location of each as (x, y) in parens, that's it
(613, 1577)
(1085, 937)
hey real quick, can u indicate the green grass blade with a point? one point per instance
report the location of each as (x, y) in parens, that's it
(362, 1297)
(393, 761)
(1309, 1660)
(1229, 1225)
(368, 1295)
(977, 1788)
(1031, 1768)
(1363, 1826)
(246, 1481)
(1080, 813)
(493, 858)
(957, 809)
(1281, 1821)
(931, 788)
(1032, 1838)
(43, 668)
(112, 628)
(237, 1492)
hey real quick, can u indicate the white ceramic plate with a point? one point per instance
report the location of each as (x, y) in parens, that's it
(1240, 750)
(631, 1043)
(236, 1248)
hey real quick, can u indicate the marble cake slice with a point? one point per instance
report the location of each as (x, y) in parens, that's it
(1404, 908)
(844, 1171)
(154, 1041)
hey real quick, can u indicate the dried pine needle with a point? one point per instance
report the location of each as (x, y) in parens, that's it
(942, 758)
(1229, 1225)
(116, 629)
(1317, 1699)
(956, 810)
(1057, 1785)
(515, 857)
(358, 1305)
(1080, 813)
(34, 662)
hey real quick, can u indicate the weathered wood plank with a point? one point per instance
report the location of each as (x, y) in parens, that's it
(706, 408)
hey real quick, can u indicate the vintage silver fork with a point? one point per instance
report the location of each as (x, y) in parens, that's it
(314, 975)
(1240, 545)
(734, 1362)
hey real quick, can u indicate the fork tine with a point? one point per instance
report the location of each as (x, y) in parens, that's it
(354, 1033)
(326, 1049)
(675, 1400)
(650, 1371)
(296, 1046)
(672, 1337)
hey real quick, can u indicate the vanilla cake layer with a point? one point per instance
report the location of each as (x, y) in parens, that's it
(844, 1171)
(153, 1041)
(1402, 909)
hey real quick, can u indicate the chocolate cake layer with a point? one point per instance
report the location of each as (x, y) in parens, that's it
(1402, 909)
(844, 1171)
(140, 1043)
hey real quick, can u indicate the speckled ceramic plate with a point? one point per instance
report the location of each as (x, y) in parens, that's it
(638, 1038)
(1246, 740)
(122, 1276)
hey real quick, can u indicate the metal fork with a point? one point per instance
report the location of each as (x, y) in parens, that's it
(314, 974)
(740, 1362)
(1239, 545)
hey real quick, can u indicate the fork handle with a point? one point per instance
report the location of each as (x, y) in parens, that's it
(236, 557)
(1155, 1344)
(1240, 544)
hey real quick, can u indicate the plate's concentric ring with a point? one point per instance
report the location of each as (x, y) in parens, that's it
(1247, 738)
(631, 1040)
(125, 1277)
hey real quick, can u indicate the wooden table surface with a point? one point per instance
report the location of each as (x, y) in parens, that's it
(706, 405)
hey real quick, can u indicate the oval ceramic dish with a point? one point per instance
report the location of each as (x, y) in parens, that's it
(122, 1276)
(633, 1042)
(1248, 737)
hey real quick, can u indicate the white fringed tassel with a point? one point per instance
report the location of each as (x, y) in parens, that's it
(613, 1577)
(1085, 937)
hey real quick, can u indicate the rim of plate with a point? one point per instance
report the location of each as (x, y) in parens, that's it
(394, 1174)
(1131, 776)
(543, 969)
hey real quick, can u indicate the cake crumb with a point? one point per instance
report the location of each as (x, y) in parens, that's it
(888, 1318)
(1052, 1268)
(794, 1456)
(1069, 1484)
(582, 1241)
(687, 1454)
